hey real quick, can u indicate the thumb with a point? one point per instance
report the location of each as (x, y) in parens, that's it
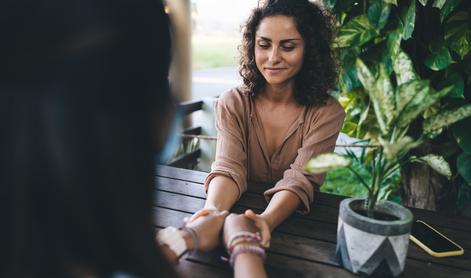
(224, 213)
(250, 214)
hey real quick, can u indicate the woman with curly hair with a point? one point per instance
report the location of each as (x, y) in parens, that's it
(282, 115)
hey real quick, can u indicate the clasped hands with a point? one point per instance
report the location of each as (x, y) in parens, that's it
(208, 224)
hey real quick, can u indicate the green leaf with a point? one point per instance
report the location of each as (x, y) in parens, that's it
(348, 79)
(378, 13)
(376, 97)
(436, 162)
(408, 20)
(454, 79)
(446, 118)
(349, 128)
(439, 3)
(326, 162)
(415, 97)
(356, 32)
(363, 117)
(403, 68)
(397, 149)
(384, 95)
(449, 6)
(394, 2)
(458, 33)
(330, 4)
(439, 60)
(464, 166)
(364, 75)
(423, 2)
(462, 134)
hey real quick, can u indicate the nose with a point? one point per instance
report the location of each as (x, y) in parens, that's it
(274, 55)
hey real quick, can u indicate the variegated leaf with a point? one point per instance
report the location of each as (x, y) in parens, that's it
(326, 162)
(414, 98)
(436, 162)
(423, 2)
(364, 75)
(446, 118)
(384, 94)
(397, 149)
(404, 68)
(356, 32)
(408, 18)
(369, 82)
(439, 3)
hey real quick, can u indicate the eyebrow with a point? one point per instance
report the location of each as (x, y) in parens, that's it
(282, 41)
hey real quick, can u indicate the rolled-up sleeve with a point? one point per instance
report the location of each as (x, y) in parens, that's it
(231, 149)
(319, 137)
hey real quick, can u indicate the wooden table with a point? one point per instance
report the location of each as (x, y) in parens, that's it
(304, 245)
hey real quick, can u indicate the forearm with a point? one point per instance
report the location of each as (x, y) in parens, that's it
(281, 206)
(249, 265)
(222, 193)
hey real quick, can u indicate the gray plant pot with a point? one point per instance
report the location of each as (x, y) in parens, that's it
(373, 247)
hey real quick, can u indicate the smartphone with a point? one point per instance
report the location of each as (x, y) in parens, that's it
(433, 242)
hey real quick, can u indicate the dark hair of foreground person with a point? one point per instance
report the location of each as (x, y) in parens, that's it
(83, 104)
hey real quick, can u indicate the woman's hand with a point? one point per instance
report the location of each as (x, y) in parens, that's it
(236, 223)
(207, 224)
(262, 225)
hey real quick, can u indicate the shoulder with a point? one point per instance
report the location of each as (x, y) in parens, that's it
(235, 99)
(331, 108)
(331, 112)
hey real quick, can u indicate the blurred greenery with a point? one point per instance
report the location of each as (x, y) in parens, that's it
(214, 51)
(343, 182)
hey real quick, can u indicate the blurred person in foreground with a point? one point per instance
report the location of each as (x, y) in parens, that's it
(84, 110)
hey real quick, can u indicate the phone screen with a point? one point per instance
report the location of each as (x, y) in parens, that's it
(432, 239)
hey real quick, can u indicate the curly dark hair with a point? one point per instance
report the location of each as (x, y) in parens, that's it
(319, 72)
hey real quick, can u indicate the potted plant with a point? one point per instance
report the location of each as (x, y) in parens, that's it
(373, 234)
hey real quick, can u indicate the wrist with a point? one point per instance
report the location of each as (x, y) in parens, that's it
(246, 251)
(173, 239)
(268, 219)
(187, 237)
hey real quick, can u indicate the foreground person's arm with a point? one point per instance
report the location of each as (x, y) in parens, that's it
(249, 265)
(246, 254)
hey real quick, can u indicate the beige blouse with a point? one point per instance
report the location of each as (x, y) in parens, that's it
(242, 156)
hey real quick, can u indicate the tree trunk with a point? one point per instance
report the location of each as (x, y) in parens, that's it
(423, 188)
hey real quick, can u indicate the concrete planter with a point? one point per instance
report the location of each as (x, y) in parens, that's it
(373, 247)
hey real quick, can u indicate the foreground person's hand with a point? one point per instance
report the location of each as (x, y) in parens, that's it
(207, 227)
(242, 240)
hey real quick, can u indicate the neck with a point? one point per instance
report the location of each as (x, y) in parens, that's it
(283, 93)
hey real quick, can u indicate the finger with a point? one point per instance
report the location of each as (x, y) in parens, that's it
(266, 236)
(224, 213)
(250, 214)
(201, 212)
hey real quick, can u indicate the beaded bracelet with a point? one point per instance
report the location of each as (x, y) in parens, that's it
(247, 236)
(243, 248)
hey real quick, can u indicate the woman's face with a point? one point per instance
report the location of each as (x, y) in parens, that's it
(279, 49)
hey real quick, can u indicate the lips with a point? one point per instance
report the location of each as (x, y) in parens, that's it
(274, 70)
